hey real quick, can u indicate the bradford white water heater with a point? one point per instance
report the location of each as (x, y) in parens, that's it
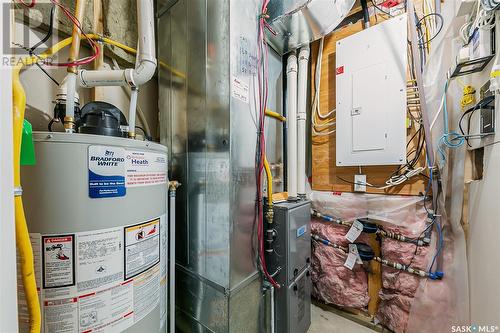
(96, 212)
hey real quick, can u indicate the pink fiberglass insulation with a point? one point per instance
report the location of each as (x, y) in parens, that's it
(393, 311)
(399, 288)
(332, 282)
(405, 254)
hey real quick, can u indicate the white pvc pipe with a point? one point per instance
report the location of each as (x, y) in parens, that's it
(171, 279)
(146, 60)
(291, 134)
(132, 111)
(272, 309)
(301, 120)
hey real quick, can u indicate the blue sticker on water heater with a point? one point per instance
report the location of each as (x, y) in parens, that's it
(106, 172)
(301, 230)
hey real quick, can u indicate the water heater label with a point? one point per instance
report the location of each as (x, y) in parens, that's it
(102, 280)
(58, 261)
(145, 168)
(106, 171)
(100, 258)
(142, 247)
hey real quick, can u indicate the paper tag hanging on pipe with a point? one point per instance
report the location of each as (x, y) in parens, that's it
(354, 231)
(351, 260)
(353, 257)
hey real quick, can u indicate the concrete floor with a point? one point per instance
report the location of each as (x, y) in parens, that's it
(327, 322)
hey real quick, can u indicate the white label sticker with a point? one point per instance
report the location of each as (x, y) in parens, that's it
(58, 261)
(350, 261)
(142, 247)
(145, 168)
(146, 292)
(61, 315)
(240, 90)
(108, 310)
(353, 257)
(81, 276)
(100, 258)
(354, 231)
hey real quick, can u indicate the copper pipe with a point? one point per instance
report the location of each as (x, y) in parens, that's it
(75, 44)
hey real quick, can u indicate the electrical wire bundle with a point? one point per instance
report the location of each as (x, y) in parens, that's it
(452, 139)
(321, 124)
(260, 151)
(483, 18)
(484, 103)
(77, 23)
(490, 5)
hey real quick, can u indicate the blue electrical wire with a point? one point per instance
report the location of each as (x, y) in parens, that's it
(448, 139)
(440, 244)
(437, 274)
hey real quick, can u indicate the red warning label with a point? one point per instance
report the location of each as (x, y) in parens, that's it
(339, 70)
(142, 247)
(58, 261)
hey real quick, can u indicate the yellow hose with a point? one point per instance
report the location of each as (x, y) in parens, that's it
(275, 115)
(267, 169)
(22, 235)
(134, 51)
(269, 183)
(65, 42)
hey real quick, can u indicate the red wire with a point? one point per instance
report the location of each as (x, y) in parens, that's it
(77, 23)
(29, 5)
(263, 95)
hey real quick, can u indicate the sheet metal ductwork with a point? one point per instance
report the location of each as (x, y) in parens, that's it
(207, 108)
(299, 22)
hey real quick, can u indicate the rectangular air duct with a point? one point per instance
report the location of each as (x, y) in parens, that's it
(208, 106)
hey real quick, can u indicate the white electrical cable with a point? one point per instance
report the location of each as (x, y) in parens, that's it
(396, 180)
(318, 127)
(490, 5)
(486, 20)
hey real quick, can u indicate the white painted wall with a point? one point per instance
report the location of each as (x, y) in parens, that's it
(483, 247)
(484, 242)
(484, 220)
(8, 295)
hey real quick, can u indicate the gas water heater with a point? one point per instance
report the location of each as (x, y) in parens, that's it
(96, 210)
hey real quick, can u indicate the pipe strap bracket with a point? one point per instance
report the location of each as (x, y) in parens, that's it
(18, 191)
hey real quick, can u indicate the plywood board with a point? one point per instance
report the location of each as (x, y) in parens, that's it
(325, 174)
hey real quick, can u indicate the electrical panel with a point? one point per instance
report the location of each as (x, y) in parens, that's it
(371, 76)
